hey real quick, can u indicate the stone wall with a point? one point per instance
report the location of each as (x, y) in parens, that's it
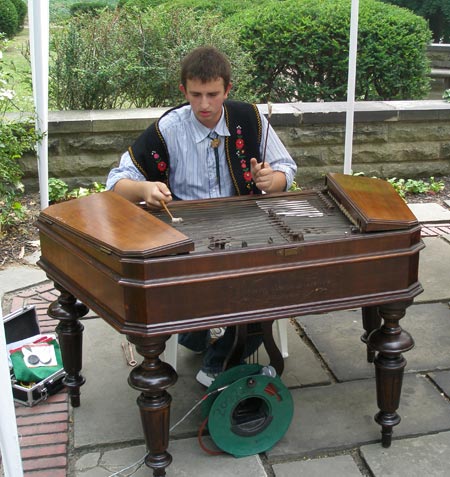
(409, 139)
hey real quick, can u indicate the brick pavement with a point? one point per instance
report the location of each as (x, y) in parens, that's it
(44, 428)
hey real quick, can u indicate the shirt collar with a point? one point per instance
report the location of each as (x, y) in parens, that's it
(201, 132)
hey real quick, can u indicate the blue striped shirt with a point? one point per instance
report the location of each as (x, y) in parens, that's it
(192, 162)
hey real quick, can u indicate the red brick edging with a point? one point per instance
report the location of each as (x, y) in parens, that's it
(44, 428)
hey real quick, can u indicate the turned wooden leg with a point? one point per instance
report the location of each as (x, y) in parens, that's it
(67, 309)
(390, 341)
(152, 378)
(371, 320)
(275, 356)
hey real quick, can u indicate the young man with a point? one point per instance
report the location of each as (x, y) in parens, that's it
(209, 147)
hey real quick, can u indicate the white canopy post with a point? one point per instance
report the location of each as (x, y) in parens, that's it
(351, 87)
(9, 440)
(38, 15)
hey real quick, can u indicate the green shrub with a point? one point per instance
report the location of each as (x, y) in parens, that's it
(281, 50)
(21, 8)
(9, 22)
(88, 63)
(132, 58)
(224, 8)
(58, 190)
(91, 8)
(416, 186)
(301, 50)
(139, 4)
(16, 138)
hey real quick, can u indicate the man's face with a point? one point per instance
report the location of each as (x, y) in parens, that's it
(206, 99)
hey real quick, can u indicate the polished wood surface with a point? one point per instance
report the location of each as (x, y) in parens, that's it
(371, 203)
(149, 278)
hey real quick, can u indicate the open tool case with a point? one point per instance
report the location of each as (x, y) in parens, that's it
(19, 325)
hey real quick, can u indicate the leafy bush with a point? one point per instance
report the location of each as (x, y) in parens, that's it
(224, 8)
(281, 50)
(89, 63)
(9, 20)
(301, 50)
(58, 190)
(92, 8)
(413, 186)
(21, 9)
(132, 58)
(139, 4)
(16, 137)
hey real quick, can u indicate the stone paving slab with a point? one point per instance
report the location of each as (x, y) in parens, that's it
(337, 466)
(337, 338)
(17, 278)
(418, 457)
(442, 379)
(429, 212)
(188, 460)
(301, 367)
(340, 416)
(434, 270)
(108, 412)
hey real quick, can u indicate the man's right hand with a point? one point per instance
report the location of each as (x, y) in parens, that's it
(152, 193)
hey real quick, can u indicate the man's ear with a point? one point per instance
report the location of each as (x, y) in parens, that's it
(230, 85)
(182, 89)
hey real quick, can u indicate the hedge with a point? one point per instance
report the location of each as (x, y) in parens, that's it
(9, 22)
(301, 50)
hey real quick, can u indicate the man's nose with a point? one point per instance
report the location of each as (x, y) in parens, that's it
(204, 102)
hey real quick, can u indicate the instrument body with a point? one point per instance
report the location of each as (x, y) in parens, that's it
(145, 277)
(231, 262)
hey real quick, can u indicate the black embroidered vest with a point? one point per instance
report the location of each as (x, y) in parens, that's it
(149, 152)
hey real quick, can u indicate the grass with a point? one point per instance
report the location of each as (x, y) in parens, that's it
(18, 67)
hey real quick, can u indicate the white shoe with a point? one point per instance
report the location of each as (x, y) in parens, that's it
(216, 333)
(206, 379)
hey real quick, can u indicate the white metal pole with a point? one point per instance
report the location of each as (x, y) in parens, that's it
(351, 87)
(9, 440)
(38, 14)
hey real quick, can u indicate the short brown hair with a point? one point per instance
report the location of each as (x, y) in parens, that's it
(205, 63)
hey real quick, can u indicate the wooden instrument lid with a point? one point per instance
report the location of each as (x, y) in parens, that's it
(373, 204)
(108, 220)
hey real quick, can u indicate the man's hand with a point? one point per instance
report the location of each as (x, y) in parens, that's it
(266, 179)
(152, 193)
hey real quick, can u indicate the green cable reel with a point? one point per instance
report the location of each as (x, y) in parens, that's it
(251, 414)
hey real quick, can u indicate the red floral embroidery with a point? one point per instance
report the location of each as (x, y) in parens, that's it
(239, 143)
(240, 151)
(160, 164)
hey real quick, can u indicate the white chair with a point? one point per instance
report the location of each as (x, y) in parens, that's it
(170, 353)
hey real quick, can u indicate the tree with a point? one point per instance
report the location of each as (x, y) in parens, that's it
(437, 12)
